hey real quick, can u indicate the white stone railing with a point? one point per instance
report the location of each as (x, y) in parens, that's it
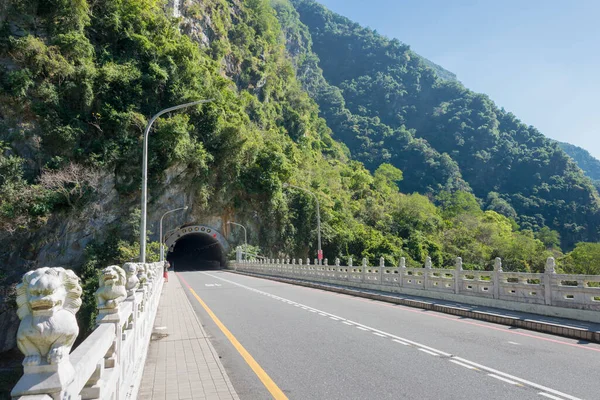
(109, 363)
(548, 293)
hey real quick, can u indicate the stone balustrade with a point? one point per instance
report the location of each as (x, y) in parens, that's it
(109, 363)
(548, 293)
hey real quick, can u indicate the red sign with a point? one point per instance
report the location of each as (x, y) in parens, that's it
(320, 254)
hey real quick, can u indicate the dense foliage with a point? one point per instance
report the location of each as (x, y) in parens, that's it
(80, 80)
(387, 105)
(588, 163)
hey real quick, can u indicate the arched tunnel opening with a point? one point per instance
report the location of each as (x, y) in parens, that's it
(197, 251)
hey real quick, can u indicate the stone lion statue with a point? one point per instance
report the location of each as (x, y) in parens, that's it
(149, 271)
(111, 291)
(133, 282)
(47, 300)
(142, 273)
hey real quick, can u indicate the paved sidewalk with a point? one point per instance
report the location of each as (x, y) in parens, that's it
(182, 363)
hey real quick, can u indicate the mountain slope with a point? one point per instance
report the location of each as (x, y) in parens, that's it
(383, 80)
(588, 163)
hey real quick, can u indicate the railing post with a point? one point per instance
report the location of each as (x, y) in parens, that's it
(549, 271)
(428, 266)
(238, 254)
(47, 369)
(497, 272)
(364, 269)
(109, 296)
(457, 277)
(381, 268)
(401, 270)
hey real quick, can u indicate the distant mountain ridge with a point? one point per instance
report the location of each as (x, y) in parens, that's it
(387, 104)
(589, 164)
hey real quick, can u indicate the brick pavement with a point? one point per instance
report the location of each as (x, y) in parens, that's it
(182, 363)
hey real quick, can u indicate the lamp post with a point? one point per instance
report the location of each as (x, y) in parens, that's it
(320, 251)
(245, 236)
(145, 172)
(162, 248)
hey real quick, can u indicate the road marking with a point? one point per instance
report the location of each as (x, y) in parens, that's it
(549, 396)
(429, 352)
(347, 323)
(463, 365)
(515, 343)
(503, 379)
(378, 334)
(362, 329)
(334, 318)
(523, 381)
(322, 315)
(399, 341)
(212, 284)
(421, 347)
(262, 375)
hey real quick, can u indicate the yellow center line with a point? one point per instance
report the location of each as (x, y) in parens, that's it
(262, 375)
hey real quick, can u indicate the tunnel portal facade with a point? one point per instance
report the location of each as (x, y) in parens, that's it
(197, 247)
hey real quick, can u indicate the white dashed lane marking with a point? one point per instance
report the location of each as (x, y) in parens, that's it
(429, 352)
(503, 379)
(462, 364)
(502, 376)
(549, 396)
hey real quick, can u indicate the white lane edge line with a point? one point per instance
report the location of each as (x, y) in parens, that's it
(549, 396)
(350, 322)
(378, 334)
(398, 341)
(334, 318)
(524, 381)
(347, 323)
(462, 364)
(503, 379)
(429, 352)
(362, 329)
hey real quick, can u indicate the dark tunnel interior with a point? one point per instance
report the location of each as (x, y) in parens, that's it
(197, 251)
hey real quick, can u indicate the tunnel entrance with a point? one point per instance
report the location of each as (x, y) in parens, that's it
(197, 251)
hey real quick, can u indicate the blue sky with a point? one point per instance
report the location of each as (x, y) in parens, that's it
(539, 59)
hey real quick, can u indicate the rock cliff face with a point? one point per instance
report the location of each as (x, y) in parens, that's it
(62, 239)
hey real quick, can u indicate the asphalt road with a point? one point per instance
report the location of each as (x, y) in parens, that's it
(321, 345)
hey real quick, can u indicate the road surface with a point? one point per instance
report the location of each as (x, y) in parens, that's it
(313, 344)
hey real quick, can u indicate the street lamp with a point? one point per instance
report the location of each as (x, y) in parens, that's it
(319, 252)
(245, 236)
(145, 172)
(162, 248)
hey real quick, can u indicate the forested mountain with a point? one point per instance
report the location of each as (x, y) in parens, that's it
(387, 105)
(79, 81)
(588, 163)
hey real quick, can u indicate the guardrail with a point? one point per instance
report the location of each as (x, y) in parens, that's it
(109, 363)
(548, 293)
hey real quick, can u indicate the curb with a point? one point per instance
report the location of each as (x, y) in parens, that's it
(529, 324)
